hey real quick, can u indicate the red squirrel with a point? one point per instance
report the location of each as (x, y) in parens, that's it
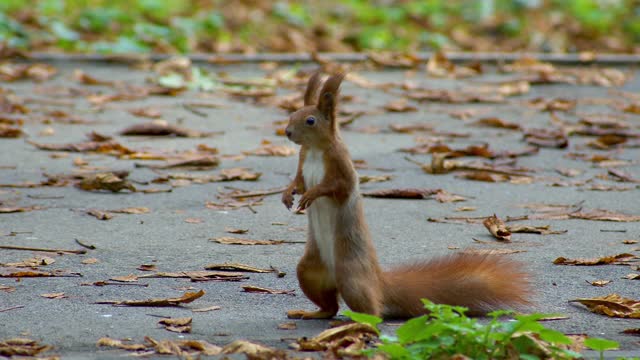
(340, 259)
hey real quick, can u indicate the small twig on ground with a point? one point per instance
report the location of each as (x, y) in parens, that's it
(258, 193)
(12, 308)
(10, 247)
(88, 246)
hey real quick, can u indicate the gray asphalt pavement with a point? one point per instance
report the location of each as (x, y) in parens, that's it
(400, 228)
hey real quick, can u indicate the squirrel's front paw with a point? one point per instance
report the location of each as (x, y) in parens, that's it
(306, 200)
(287, 198)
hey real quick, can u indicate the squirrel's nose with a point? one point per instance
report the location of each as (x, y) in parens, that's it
(288, 132)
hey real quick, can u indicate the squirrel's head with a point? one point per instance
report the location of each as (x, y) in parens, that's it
(315, 124)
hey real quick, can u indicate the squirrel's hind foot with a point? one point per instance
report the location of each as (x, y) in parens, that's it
(307, 315)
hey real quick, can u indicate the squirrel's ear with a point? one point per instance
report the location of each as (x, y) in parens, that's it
(312, 89)
(329, 96)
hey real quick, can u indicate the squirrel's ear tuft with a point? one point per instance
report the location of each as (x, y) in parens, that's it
(329, 96)
(312, 89)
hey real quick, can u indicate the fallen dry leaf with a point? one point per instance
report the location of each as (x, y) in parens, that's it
(632, 277)
(603, 215)
(632, 331)
(542, 230)
(21, 347)
(193, 220)
(33, 262)
(128, 278)
(20, 273)
(405, 193)
(253, 350)
(105, 181)
(146, 112)
(599, 283)
(568, 172)
(199, 275)
(410, 128)
(86, 79)
(162, 128)
(104, 147)
(288, 326)
(454, 97)
(7, 131)
(232, 174)
(188, 297)
(179, 325)
(466, 208)
(550, 138)
(439, 65)
(400, 105)
(623, 258)
(558, 104)
(208, 308)
(237, 241)
(7, 289)
(202, 162)
(491, 251)
(342, 340)
(374, 178)
(131, 210)
(58, 295)
(105, 341)
(90, 261)
(36, 71)
(612, 305)
(236, 231)
(497, 228)
(16, 209)
(147, 267)
(237, 267)
(497, 123)
(180, 348)
(621, 175)
(268, 149)
(100, 215)
(263, 290)
(484, 176)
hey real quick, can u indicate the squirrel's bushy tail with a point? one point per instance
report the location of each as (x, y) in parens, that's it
(479, 282)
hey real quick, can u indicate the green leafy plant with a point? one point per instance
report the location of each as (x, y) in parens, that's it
(600, 345)
(184, 26)
(447, 331)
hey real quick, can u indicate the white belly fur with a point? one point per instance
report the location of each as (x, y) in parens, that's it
(322, 212)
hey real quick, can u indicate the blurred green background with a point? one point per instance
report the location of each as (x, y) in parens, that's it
(245, 26)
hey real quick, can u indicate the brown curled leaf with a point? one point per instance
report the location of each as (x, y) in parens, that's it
(237, 267)
(188, 297)
(623, 258)
(542, 230)
(237, 241)
(612, 305)
(161, 128)
(100, 215)
(21, 347)
(105, 181)
(497, 228)
(263, 290)
(179, 325)
(497, 123)
(439, 195)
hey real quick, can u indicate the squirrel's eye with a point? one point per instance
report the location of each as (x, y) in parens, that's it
(311, 120)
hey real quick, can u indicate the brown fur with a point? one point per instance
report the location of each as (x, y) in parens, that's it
(479, 282)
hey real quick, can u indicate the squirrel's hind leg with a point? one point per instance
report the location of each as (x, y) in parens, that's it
(360, 288)
(318, 286)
